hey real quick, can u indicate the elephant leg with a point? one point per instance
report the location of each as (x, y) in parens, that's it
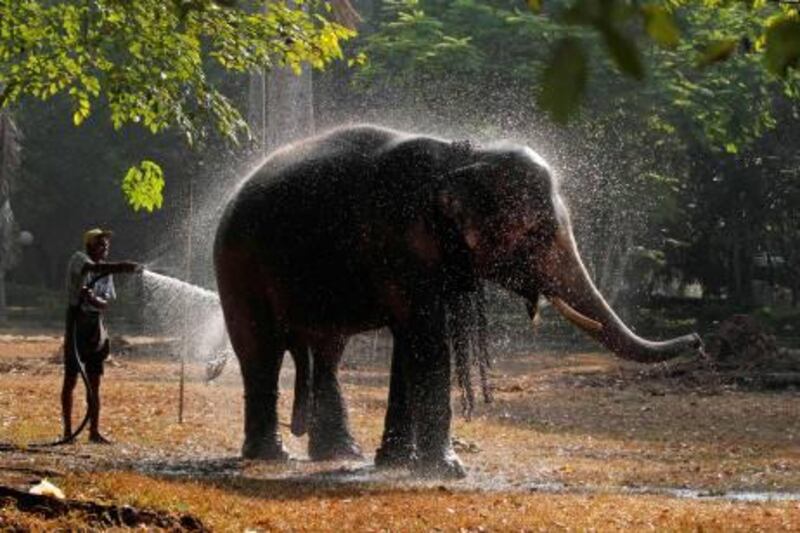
(397, 445)
(302, 383)
(429, 378)
(262, 438)
(260, 356)
(329, 433)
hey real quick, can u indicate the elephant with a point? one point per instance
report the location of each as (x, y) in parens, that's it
(364, 227)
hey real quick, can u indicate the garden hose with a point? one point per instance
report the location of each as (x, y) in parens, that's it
(6, 446)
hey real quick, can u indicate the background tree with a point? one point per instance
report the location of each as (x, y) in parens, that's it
(9, 173)
(149, 62)
(666, 173)
(664, 97)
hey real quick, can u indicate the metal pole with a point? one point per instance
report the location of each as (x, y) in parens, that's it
(188, 278)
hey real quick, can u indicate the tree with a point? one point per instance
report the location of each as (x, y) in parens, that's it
(151, 62)
(705, 85)
(464, 37)
(9, 173)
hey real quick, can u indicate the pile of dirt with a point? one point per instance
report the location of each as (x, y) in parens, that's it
(741, 343)
(739, 353)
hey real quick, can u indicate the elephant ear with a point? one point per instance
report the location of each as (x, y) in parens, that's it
(457, 224)
(459, 204)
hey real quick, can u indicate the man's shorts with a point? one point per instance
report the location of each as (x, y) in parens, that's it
(85, 332)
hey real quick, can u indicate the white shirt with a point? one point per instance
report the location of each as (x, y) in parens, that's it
(77, 278)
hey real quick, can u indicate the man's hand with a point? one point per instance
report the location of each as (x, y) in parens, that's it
(89, 296)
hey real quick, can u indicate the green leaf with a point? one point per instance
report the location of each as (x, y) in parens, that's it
(731, 148)
(660, 25)
(717, 51)
(783, 45)
(623, 51)
(535, 5)
(358, 61)
(564, 80)
(143, 186)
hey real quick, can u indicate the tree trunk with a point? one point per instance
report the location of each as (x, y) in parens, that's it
(290, 106)
(9, 170)
(736, 275)
(3, 308)
(280, 107)
(617, 252)
(281, 103)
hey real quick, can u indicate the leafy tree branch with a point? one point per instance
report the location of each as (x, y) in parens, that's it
(149, 60)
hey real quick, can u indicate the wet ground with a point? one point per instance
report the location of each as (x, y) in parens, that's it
(564, 430)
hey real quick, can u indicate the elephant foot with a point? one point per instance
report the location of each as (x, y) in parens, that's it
(393, 455)
(328, 450)
(448, 466)
(265, 450)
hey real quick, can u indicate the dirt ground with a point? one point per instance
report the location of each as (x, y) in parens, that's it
(577, 441)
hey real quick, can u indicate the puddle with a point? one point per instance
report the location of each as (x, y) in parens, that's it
(365, 475)
(734, 495)
(684, 493)
(209, 468)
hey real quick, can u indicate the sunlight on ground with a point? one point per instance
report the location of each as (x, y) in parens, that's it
(547, 431)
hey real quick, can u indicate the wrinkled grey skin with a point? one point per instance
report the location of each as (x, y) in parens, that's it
(365, 227)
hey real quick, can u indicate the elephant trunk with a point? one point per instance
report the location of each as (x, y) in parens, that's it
(574, 295)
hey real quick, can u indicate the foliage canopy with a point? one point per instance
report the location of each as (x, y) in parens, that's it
(150, 61)
(423, 39)
(702, 178)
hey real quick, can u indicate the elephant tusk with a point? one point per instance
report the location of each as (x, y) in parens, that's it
(575, 317)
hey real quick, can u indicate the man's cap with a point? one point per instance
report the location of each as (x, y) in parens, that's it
(94, 233)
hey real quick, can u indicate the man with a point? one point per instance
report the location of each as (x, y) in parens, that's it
(90, 288)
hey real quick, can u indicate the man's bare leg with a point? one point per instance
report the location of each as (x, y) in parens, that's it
(94, 411)
(66, 403)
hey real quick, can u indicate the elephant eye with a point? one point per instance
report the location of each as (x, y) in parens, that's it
(538, 236)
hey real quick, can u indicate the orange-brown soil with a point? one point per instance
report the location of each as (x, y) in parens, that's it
(572, 441)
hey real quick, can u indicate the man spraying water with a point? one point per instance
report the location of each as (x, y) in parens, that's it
(90, 289)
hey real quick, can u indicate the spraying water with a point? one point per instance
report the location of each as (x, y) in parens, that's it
(181, 309)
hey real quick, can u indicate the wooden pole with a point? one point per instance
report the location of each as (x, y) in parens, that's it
(180, 390)
(188, 278)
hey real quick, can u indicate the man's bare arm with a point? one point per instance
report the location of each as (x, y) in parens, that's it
(119, 267)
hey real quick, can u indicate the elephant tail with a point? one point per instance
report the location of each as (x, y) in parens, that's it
(302, 388)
